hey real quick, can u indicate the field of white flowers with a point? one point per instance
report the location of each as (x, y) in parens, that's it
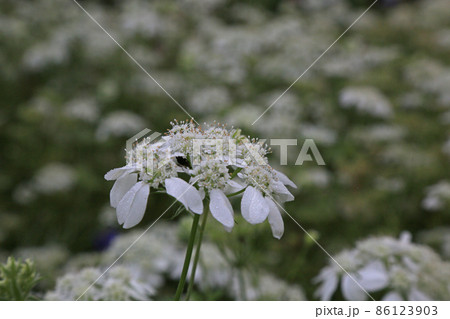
(77, 79)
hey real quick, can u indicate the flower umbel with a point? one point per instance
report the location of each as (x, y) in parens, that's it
(198, 165)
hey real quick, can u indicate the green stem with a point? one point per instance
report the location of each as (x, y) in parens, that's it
(242, 284)
(236, 171)
(237, 193)
(197, 254)
(187, 259)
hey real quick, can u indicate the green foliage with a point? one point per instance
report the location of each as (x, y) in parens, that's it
(17, 280)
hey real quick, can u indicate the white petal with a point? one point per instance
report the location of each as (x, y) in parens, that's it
(233, 187)
(178, 154)
(392, 296)
(221, 208)
(275, 219)
(118, 172)
(282, 192)
(138, 206)
(351, 290)
(329, 284)
(123, 208)
(194, 200)
(188, 195)
(374, 276)
(176, 187)
(417, 295)
(121, 187)
(253, 206)
(202, 193)
(284, 179)
(240, 163)
(127, 203)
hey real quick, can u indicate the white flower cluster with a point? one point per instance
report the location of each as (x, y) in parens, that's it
(52, 178)
(137, 278)
(393, 269)
(356, 58)
(438, 238)
(437, 197)
(366, 100)
(118, 123)
(192, 164)
(84, 109)
(119, 283)
(430, 76)
(164, 253)
(215, 273)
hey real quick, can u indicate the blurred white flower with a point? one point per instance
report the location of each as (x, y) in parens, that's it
(54, 177)
(243, 114)
(200, 6)
(430, 76)
(379, 133)
(433, 14)
(119, 283)
(437, 196)
(82, 109)
(319, 134)
(119, 123)
(45, 54)
(210, 100)
(316, 177)
(438, 238)
(140, 18)
(164, 257)
(366, 100)
(163, 252)
(24, 193)
(356, 57)
(398, 269)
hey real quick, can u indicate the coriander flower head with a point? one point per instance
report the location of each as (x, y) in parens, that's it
(201, 166)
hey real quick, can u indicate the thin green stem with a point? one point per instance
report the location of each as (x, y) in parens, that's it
(187, 258)
(236, 171)
(237, 193)
(242, 284)
(197, 254)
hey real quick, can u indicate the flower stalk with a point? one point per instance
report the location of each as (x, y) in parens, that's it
(197, 254)
(187, 258)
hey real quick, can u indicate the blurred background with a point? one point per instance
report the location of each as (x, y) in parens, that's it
(377, 106)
